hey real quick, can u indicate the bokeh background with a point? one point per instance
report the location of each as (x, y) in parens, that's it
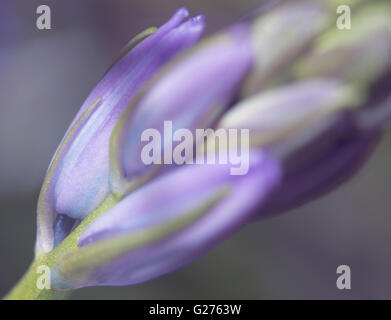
(44, 78)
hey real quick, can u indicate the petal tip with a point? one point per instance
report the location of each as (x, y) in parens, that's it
(181, 13)
(199, 19)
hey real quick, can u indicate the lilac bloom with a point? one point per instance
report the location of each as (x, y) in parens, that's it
(320, 115)
(360, 55)
(340, 144)
(78, 177)
(338, 151)
(345, 79)
(166, 224)
(193, 92)
(308, 134)
(280, 35)
(275, 115)
(299, 39)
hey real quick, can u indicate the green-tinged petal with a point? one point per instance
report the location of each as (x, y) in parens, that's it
(167, 223)
(46, 211)
(359, 55)
(280, 113)
(192, 93)
(280, 36)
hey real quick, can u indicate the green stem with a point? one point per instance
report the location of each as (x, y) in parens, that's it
(27, 288)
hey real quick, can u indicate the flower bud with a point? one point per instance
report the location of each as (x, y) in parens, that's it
(317, 128)
(280, 35)
(166, 224)
(359, 55)
(275, 115)
(78, 177)
(321, 157)
(192, 93)
(301, 39)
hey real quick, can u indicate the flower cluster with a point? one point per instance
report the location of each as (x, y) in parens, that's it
(313, 97)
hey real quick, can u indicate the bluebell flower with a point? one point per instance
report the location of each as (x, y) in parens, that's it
(77, 180)
(314, 102)
(166, 224)
(192, 92)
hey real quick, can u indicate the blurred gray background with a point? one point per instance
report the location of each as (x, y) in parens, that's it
(44, 78)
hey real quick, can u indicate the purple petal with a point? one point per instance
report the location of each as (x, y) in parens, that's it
(192, 94)
(339, 146)
(280, 35)
(360, 55)
(275, 115)
(77, 179)
(338, 151)
(46, 210)
(83, 180)
(167, 199)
